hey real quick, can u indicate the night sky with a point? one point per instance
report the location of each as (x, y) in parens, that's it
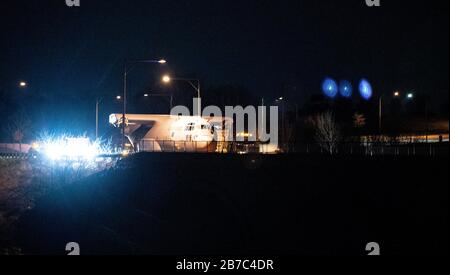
(70, 56)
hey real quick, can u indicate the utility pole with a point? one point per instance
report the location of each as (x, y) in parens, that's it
(427, 120)
(124, 106)
(97, 102)
(380, 114)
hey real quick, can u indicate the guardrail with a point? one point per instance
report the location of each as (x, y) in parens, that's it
(35, 156)
(15, 156)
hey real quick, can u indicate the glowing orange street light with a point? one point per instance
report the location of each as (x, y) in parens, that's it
(166, 79)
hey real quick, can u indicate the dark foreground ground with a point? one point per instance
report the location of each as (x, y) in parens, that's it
(229, 204)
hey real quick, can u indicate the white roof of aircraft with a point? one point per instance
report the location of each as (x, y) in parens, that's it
(136, 118)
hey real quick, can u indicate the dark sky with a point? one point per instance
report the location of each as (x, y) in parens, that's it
(262, 45)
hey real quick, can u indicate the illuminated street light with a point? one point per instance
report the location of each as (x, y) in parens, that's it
(396, 93)
(22, 84)
(410, 96)
(166, 79)
(118, 97)
(162, 61)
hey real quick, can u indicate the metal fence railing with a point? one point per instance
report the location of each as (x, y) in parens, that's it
(343, 148)
(369, 148)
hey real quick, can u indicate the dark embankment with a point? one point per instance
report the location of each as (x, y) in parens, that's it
(229, 204)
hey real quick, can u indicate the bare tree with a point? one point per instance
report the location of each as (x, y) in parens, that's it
(18, 128)
(327, 132)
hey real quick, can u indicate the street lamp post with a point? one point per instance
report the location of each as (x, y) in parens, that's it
(380, 113)
(97, 103)
(380, 110)
(129, 65)
(427, 122)
(410, 96)
(191, 81)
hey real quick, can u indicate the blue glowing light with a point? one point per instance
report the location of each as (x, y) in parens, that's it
(365, 89)
(345, 88)
(330, 88)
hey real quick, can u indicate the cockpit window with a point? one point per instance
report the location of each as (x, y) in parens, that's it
(190, 127)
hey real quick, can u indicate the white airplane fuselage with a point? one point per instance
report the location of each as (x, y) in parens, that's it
(166, 132)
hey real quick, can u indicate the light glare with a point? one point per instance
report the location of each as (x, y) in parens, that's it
(72, 149)
(330, 88)
(345, 89)
(365, 89)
